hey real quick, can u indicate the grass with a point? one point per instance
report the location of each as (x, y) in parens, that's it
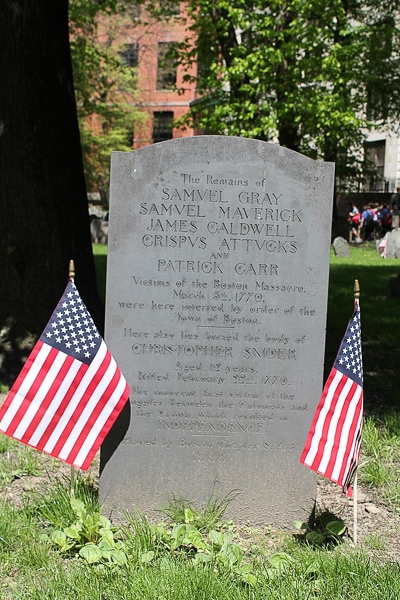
(249, 564)
(100, 256)
(32, 568)
(16, 461)
(380, 322)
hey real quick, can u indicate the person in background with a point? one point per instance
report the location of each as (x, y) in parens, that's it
(395, 204)
(384, 219)
(375, 221)
(367, 224)
(353, 220)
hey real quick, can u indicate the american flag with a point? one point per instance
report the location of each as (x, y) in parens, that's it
(333, 443)
(70, 390)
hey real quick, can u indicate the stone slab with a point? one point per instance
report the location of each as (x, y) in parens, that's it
(216, 300)
(341, 247)
(393, 244)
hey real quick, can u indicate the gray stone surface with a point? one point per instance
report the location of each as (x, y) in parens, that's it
(393, 244)
(217, 284)
(341, 247)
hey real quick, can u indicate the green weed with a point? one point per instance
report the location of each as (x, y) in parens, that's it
(206, 517)
(6, 443)
(325, 530)
(16, 461)
(53, 506)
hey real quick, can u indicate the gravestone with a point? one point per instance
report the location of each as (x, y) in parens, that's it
(341, 247)
(393, 244)
(216, 300)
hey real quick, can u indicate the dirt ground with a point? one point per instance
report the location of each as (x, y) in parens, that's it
(378, 527)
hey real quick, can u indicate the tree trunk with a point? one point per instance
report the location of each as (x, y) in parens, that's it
(43, 204)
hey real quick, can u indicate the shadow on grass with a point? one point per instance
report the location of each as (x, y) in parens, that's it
(101, 268)
(323, 530)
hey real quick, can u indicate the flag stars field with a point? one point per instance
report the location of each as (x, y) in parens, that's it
(79, 337)
(349, 355)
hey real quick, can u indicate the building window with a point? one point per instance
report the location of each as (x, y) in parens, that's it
(130, 55)
(174, 9)
(166, 66)
(132, 10)
(162, 126)
(130, 138)
(375, 165)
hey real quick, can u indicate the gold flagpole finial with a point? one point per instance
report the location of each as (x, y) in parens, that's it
(356, 290)
(71, 271)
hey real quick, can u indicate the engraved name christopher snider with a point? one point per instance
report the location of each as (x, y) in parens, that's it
(213, 351)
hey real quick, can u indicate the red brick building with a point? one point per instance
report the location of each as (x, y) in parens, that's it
(145, 44)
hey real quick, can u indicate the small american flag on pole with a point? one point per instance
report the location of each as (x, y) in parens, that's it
(333, 443)
(70, 390)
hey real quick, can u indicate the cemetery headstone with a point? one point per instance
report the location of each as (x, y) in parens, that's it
(393, 244)
(216, 300)
(341, 247)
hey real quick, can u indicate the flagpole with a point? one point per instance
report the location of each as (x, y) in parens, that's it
(71, 276)
(71, 270)
(333, 442)
(356, 291)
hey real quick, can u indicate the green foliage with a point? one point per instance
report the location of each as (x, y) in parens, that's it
(201, 537)
(172, 561)
(214, 548)
(16, 461)
(5, 443)
(104, 87)
(206, 517)
(213, 564)
(380, 322)
(92, 536)
(100, 254)
(300, 71)
(53, 506)
(325, 530)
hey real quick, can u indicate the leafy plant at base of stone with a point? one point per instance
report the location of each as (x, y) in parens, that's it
(92, 536)
(326, 530)
(32, 567)
(206, 538)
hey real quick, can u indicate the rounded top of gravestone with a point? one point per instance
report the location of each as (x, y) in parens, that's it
(341, 247)
(221, 148)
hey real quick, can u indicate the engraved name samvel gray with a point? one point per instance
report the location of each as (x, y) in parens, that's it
(216, 300)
